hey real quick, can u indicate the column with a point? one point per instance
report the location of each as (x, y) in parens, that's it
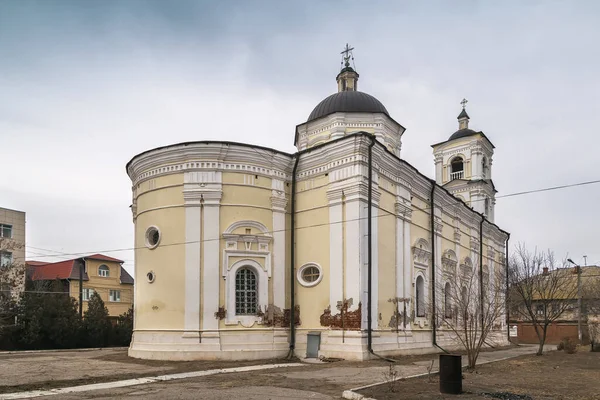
(211, 266)
(403, 213)
(408, 267)
(193, 239)
(278, 204)
(336, 248)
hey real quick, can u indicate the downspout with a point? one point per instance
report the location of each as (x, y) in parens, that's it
(293, 261)
(370, 253)
(481, 268)
(369, 249)
(81, 267)
(433, 310)
(507, 289)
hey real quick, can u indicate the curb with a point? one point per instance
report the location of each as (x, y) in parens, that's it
(60, 350)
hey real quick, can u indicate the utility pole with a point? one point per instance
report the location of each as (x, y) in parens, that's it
(579, 302)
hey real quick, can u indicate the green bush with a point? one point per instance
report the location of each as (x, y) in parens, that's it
(97, 328)
(123, 329)
(46, 319)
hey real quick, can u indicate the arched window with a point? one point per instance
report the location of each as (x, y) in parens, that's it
(246, 296)
(456, 168)
(447, 301)
(486, 209)
(420, 295)
(103, 271)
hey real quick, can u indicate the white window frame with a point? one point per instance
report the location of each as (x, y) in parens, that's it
(2, 226)
(300, 273)
(107, 271)
(147, 237)
(87, 294)
(6, 259)
(114, 296)
(262, 279)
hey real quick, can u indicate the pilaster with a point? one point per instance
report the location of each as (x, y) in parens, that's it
(278, 205)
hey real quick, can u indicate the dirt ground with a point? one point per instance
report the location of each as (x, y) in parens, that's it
(555, 375)
(49, 370)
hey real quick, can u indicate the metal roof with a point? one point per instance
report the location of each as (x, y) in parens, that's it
(347, 101)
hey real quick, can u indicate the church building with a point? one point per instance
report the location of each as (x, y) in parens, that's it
(337, 250)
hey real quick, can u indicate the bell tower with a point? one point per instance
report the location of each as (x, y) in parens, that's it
(463, 165)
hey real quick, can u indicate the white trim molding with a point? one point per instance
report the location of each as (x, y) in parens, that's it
(262, 278)
(300, 278)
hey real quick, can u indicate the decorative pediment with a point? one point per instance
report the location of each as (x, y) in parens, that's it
(421, 253)
(466, 268)
(449, 261)
(253, 235)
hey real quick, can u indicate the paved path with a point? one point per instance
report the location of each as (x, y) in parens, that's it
(308, 381)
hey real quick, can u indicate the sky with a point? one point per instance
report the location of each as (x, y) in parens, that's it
(86, 85)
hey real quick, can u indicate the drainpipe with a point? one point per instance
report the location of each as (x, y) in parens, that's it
(369, 249)
(433, 310)
(370, 253)
(507, 290)
(81, 266)
(293, 262)
(481, 267)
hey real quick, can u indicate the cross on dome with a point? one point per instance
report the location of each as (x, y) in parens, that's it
(347, 54)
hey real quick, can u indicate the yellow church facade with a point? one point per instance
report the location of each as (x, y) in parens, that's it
(337, 250)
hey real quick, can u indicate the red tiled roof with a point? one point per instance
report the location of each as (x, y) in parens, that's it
(34, 263)
(59, 270)
(103, 258)
(41, 271)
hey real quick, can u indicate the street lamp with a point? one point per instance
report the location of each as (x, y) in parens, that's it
(578, 298)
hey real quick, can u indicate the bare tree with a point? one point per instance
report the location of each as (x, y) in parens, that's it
(541, 289)
(471, 307)
(590, 293)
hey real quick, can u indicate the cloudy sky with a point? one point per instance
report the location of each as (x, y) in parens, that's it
(86, 85)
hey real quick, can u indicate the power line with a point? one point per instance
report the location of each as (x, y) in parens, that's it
(318, 225)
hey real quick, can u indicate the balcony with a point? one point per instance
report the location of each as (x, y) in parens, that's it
(456, 175)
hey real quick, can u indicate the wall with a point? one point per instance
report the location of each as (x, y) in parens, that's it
(159, 202)
(556, 332)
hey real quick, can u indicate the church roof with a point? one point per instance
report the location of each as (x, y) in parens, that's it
(463, 114)
(347, 101)
(463, 133)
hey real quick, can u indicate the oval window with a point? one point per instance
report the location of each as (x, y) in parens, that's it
(310, 274)
(152, 237)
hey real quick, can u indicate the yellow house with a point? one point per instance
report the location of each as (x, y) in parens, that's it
(101, 274)
(339, 250)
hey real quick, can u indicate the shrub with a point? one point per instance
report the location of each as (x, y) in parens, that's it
(569, 345)
(46, 319)
(96, 325)
(123, 329)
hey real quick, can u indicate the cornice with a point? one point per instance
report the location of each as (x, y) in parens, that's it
(209, 157)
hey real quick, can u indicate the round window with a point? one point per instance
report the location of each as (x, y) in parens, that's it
(151, 276)
(310, 274)
(152, 237)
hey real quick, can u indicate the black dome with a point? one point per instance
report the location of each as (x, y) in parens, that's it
(347, 101)
(462, 133)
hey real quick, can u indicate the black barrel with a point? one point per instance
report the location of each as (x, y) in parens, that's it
(450, 374)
